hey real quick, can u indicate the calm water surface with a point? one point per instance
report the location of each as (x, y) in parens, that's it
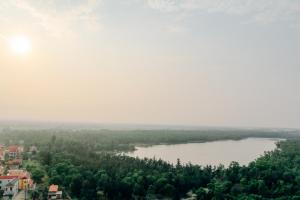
(209, 153)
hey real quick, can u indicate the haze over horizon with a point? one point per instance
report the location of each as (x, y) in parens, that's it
(198, 63)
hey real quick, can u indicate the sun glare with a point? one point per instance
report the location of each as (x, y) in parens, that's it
(20, 44)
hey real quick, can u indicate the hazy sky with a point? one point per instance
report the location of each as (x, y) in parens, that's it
(192, 62)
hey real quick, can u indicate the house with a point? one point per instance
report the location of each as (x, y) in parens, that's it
(11, 189)
(6, 179)
(33, 149)
(20, 149)
(23, 176)
(53, 193)
(9, 185)
(13, 152)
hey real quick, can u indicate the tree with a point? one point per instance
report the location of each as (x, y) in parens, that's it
(35, 195)
(201, 193)
(37, 175)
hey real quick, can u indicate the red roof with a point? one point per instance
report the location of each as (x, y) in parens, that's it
(8, 177)
(20, 173)
(13, 148)
(53, 188)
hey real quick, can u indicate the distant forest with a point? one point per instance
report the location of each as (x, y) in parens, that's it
(113, 140)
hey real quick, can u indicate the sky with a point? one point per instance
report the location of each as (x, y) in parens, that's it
(181, 62)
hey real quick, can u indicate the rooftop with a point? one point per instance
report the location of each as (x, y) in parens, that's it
(19, 172)
(13, 148)
(8, 177)
(53, 188)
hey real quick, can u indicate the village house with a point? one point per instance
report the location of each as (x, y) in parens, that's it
(11, 189)
(13, 152)
(33, 149)
(24, 177)
(9, 185)
(53, 193)
(20, 149)
(6, 179)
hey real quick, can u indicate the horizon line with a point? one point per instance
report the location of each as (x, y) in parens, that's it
(133, 126)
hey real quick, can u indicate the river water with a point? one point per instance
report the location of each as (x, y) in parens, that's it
(209, 153)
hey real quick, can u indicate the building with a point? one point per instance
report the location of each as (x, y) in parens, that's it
(20, 149)
(9, 185)
(53, 193)
(4, 180)
(33, 149)
(11, 189)
(13, 152)
(24, 178)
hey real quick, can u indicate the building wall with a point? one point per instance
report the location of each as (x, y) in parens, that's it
(11, 190)
(23, 183)
(3, 183)
(12, 154)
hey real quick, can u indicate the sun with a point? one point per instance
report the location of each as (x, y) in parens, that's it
(20, 45)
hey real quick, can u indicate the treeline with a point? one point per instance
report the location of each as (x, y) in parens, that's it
(86, 175)
(126, 139)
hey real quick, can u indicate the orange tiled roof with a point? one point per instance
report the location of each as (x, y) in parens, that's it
(13, 148)
(19, 173)
(53, 188)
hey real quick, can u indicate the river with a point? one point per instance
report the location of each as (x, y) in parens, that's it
(209, 153)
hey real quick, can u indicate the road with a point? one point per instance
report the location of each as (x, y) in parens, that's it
(20, 196)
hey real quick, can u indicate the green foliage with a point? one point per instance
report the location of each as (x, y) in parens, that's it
(273, 176)
(86, 166)
(37, 171)
(111, 140)
(37, 175)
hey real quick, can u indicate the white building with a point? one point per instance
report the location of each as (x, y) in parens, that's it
(10, 185)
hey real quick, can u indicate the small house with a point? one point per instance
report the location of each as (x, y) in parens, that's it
(54, 193)
(9, 185)
(33, 149)
(11, 189)
(13, 152)
(24, 178)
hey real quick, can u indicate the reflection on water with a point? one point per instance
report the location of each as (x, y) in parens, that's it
(209, 153)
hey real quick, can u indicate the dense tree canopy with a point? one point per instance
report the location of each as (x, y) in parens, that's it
(87, 171)
(87, 175)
